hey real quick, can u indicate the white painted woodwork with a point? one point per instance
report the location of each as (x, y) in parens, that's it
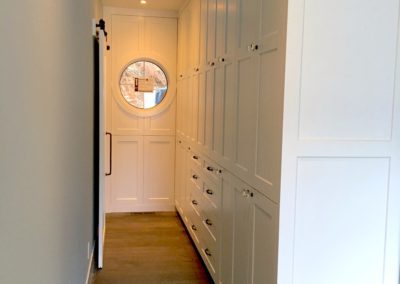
(127, 177)
(103, 157)
(203, 32)
(180, 174)
(246, 124)
(202, 110)
(209, 110)
(144, 140)
(323, 205)
(339, 192)
(304, 111)
(250, 230)
(361, 84)
(159, 153)
(230, 113)
(211, 29)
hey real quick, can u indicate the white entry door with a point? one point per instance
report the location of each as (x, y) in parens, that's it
(142, 84)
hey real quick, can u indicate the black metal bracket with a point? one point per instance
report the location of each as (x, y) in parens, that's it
(102, 26)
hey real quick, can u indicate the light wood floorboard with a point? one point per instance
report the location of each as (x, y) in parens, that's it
(149, 248)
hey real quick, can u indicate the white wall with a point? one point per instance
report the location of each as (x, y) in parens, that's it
(46, 175)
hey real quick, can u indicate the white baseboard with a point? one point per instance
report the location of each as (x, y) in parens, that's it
(90, 267)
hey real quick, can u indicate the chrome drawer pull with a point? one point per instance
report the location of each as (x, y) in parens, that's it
(207, 252)
(208, 222)
(194, 202)
(209, 191)
(194, 228)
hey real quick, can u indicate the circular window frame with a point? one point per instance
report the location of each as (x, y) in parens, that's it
(165, 102)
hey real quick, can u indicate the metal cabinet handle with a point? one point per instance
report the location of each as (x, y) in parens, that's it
(194, 202)
(110, 170)
(207, 252)
(195, 177)
(208, 222)
(194, 228)
(210, 169)
(209, 191)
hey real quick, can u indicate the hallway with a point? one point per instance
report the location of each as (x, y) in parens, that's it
(149, 248)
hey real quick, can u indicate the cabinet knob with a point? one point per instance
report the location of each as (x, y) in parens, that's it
(252, 47)
(207, 252)
(194, 228)
(195, 157)
(210, 169)
(195, 177)
(196, 69)
(209, 191)
(221, 59)
(211, 63)
(208, 222)
(189, 148)
(194, 202)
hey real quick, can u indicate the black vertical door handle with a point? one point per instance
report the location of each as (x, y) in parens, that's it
(110, 170)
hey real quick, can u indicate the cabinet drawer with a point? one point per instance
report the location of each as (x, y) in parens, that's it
(195, 178)
(212, 193)
(210, 224)
(210, 258)
(196, 160)
(212, 171)
(196, 202)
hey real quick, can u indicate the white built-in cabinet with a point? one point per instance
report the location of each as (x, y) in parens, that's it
(225, 115)
(295, 105)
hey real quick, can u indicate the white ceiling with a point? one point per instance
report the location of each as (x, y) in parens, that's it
(170, 5)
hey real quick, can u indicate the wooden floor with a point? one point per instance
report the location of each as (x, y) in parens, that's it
(149, 248)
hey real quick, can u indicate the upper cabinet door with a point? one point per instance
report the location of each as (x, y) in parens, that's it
(203, 33)
(211, 21)
(249, 23)
(226, 20)
(195, 7)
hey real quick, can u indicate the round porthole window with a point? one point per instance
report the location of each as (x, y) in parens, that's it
(143, 84)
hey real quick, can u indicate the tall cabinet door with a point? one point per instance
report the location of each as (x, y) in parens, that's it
(250, 234)
(242, 221)
(264, 239)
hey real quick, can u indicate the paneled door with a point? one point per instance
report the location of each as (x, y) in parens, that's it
(143, 86)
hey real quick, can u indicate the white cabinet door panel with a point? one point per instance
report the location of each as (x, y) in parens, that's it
(159, 170)
(127, 177)
(264, 243)
(247, 113)
(202, 109)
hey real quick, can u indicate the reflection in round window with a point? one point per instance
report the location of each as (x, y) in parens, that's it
(143, 84)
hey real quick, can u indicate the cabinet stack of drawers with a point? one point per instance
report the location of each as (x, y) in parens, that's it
(201, 205)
